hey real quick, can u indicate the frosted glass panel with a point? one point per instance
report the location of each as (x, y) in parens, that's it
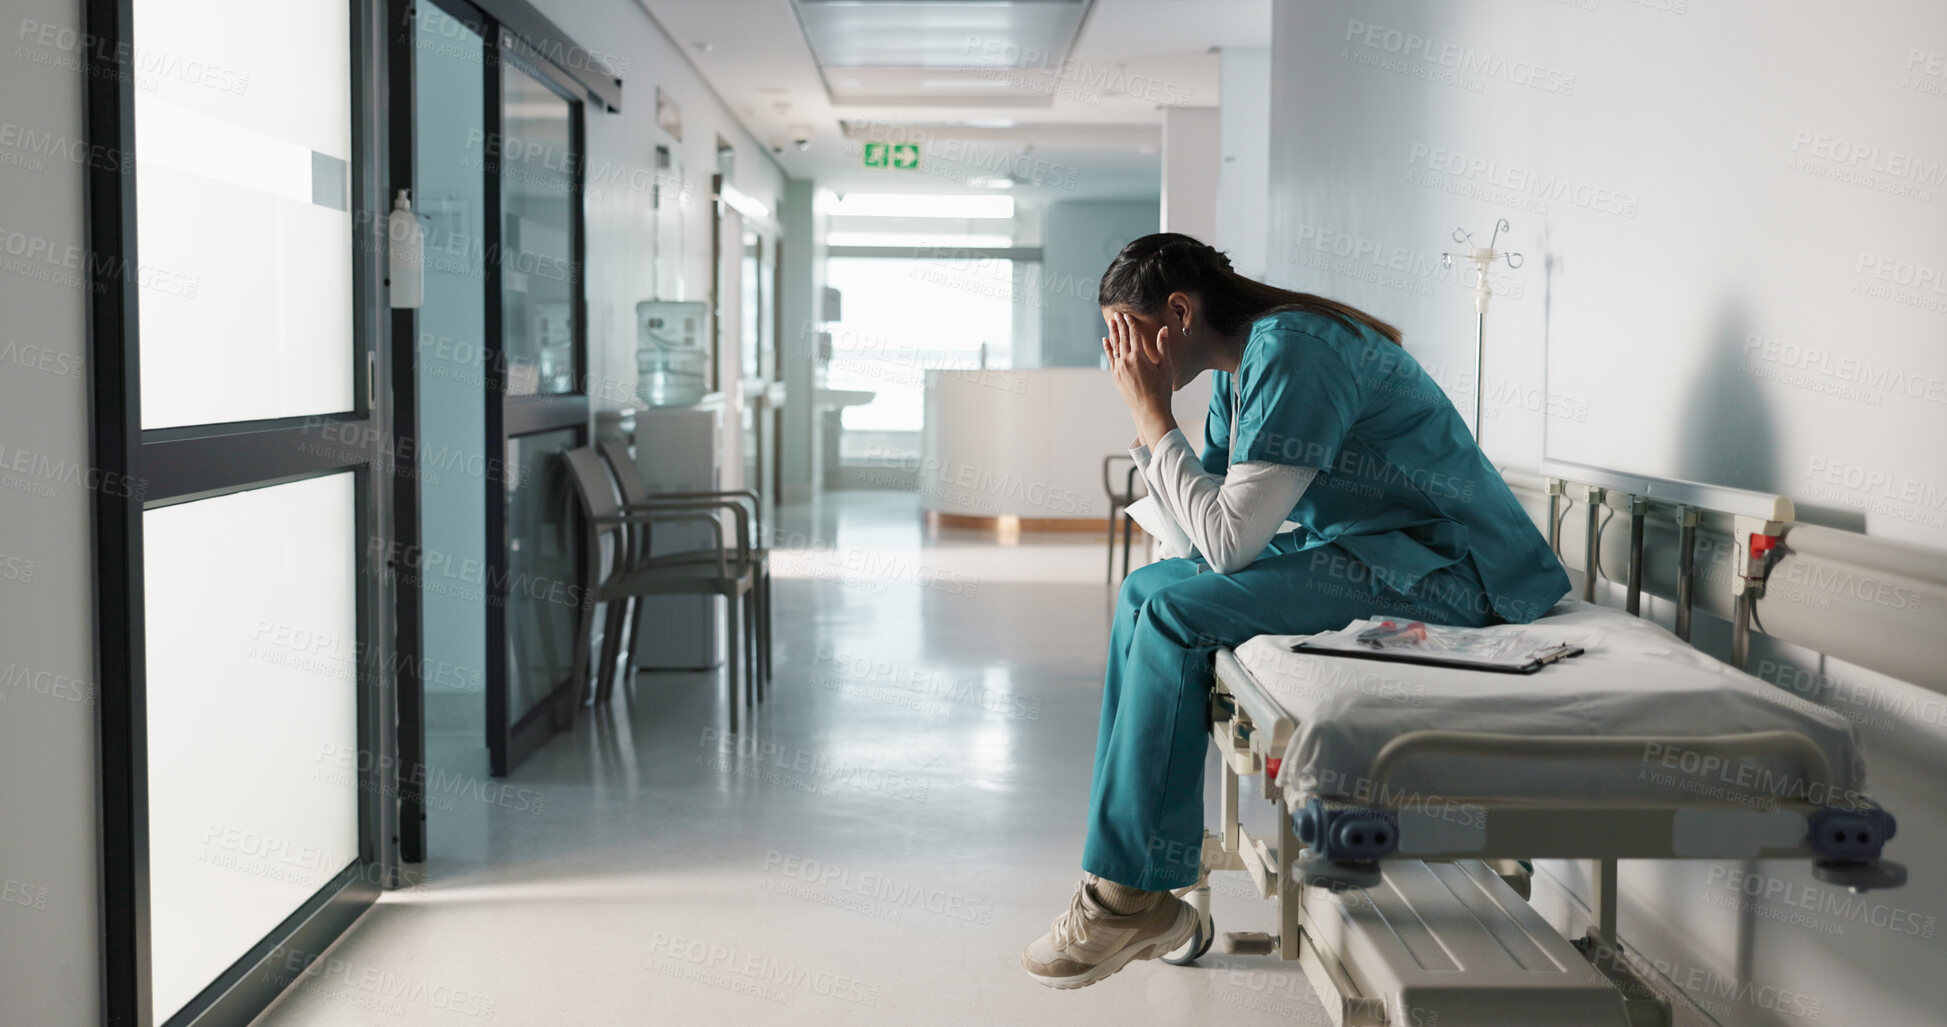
(251, 611)
(243, 216)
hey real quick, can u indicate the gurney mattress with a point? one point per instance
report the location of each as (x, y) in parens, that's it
(1635, 679)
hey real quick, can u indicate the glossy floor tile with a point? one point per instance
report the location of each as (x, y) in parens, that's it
(892, 826)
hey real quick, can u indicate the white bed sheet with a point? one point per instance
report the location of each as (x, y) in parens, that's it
(1634, 679)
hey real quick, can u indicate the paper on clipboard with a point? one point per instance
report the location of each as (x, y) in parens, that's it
(1517, 652)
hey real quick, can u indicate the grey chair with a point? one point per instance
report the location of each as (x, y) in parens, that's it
(1132, 490)
(726, 570)
(636, 495)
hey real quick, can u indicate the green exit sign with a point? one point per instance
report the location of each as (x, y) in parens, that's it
(904, 156)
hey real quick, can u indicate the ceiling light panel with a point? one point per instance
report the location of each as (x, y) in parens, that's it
(920, 205)
(992, 86)
(940, 34)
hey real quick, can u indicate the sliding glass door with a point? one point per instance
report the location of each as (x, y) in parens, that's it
(259, 457)
(241, 514)
(543, 405)
(487, 133)
(442, 395)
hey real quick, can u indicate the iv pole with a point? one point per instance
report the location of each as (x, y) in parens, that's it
(1482, 259)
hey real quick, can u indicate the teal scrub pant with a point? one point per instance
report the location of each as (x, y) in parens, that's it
(1145, 826)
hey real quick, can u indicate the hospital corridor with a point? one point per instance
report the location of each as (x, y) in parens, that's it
(856, 853)
(1354, 513)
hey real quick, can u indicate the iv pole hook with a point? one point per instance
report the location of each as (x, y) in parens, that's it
(1482, 259)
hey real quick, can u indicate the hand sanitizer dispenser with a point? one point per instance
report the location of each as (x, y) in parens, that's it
(406, 254)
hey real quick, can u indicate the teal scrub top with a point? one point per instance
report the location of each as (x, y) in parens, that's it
(1401, 483)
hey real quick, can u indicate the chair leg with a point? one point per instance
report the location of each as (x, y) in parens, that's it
(1128, 523)
(756, 638)
(751, 664)
(765, 638)
(611, 651)
(635, 645)
(750, 642)
(730, 664)
(1110, 575)
(734, 610)
(758, 649)
(584, 639)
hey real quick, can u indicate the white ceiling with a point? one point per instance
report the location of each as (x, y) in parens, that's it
(1084, 125)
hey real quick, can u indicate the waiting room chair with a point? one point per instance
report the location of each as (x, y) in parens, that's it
(726, 570)
(636, 495)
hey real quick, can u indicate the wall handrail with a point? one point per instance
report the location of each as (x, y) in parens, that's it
(1676, 491)
(1873, 602)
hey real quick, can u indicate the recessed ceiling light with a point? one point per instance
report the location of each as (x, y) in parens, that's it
(923, 205)
(964, 83)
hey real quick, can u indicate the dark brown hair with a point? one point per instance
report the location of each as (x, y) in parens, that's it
(1143, 275)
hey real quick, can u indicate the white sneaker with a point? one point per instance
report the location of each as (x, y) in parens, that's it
(1088, 942)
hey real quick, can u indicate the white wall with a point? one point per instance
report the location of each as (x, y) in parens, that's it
(1078, 239)
(1244, 154)
(1190, 161)
(1701, 300)
(801, 302)
(1345, 222)
(49, 942)
(1694, 261)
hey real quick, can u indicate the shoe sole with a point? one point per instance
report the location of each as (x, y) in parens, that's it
(1185, 929)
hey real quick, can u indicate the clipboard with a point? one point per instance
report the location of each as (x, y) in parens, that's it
(1439, 645)
(1540, 659)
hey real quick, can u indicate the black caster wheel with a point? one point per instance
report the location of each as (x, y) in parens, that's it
(1209, 935)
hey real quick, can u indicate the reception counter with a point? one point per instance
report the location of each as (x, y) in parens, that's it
(1022, 450)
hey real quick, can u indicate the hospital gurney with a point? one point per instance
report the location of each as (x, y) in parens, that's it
(1404, 793)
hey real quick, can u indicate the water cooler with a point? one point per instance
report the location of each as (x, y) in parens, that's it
(678, 449)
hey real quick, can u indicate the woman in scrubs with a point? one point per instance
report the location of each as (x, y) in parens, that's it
(1319, 417)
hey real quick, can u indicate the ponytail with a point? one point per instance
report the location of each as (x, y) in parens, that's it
(1142, 277)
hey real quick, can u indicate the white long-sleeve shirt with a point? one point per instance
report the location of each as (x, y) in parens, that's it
(1228, 518)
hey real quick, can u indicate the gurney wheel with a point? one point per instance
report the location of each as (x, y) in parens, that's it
(1198, 944)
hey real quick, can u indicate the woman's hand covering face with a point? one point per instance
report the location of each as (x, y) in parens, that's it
(1141, 365)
